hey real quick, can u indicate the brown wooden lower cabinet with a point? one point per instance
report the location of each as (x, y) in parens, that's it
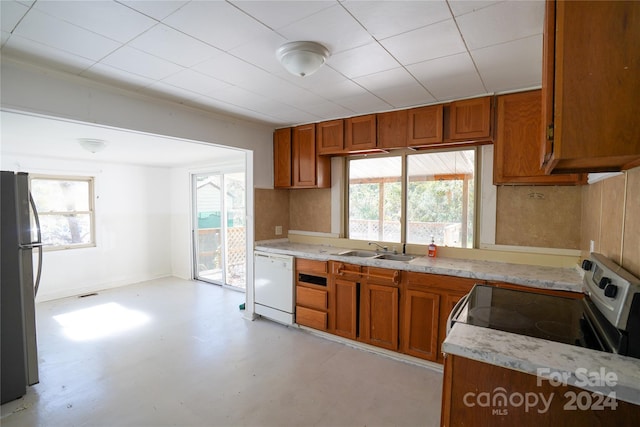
(420, 324)
(472, 395)
(380, 306)
(346, 308)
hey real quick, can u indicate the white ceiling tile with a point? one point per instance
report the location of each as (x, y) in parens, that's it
(4, 37)
(276, 14)
(329, 110)
(229, 69)
(155, 9)
(510, 66)
(37, 52)
(220, 107)
(321, 81)
(363, 103)
(262, 53)
(334, 27)
(501, 23)
(434, 41)
(37, 26)
(195, 82)
(397, 87)
(108, 74)
(137, 62)
(174, 46)
(11, 12)
(367, 59)
(450, 77)
(99, 17)
(389, 18)
(217, 23)
(460, 7)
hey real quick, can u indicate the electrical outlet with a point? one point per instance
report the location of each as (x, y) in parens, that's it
(592, 246)
(278, 230)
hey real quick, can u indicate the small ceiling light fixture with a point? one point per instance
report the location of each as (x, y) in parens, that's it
(92, 145)
(302, 58)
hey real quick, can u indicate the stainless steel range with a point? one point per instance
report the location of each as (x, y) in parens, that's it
(606, 319)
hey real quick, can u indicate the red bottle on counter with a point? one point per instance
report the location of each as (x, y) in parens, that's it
(432, 248)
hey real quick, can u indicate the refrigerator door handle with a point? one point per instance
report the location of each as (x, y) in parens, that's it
(37, 243)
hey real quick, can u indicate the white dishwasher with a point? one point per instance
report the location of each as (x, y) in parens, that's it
(273, 286)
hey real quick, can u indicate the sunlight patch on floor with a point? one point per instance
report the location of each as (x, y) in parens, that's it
(100, 321)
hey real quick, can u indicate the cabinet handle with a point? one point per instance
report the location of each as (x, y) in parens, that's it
(395, 278)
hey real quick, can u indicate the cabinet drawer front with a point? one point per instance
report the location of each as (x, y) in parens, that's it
(312, 298)
(311, 318)
(311, 266)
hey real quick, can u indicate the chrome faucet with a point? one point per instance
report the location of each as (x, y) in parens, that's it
(384, 248)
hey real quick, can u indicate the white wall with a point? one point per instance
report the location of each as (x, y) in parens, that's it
(133, 219)
(43, 91)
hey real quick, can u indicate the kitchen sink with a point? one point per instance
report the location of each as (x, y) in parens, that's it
(360, 254)
(395, 257)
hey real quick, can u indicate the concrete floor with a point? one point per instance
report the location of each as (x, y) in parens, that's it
(193, 360)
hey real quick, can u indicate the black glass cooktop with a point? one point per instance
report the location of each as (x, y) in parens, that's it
(536, 315)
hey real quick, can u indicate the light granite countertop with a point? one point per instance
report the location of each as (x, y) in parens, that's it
(565, 279)
(548, 359)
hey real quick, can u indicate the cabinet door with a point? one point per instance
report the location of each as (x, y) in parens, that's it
(392, 129)
(282, 158)
(304, 156)
(330, 137)
(470, 119)
(424, 126)
(548, 71)
(447, 302)
(420, 324)
(346, 308)
(360, 134)
(516, 149)
(596, 106)
(380, 320)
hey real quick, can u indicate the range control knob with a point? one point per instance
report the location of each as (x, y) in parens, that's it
(587, 264)
(611, 291)
(604, 282)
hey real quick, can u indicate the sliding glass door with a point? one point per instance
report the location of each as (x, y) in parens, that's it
(219, 236)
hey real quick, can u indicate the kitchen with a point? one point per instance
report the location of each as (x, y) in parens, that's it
(314, 211)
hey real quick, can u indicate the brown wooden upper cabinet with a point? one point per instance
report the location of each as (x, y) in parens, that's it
(470, 119)
(424, 126)
(296, 162)
(591, 86)
(516, 149)
(360, 133)
(392, 129)
(282, 158)
(330, 137)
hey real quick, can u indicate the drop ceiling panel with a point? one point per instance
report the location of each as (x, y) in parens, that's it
(278, 14)
(449, 77)
(36, 26)
(334, 27)
(434, 41)
(109, 19)
(179, 48)
(460, 7)
(397, 87)
(512, 65)
(384, 19)
(138, 62)
(363, 60)
(155, 9)
(40, 53)
(195, 82)
(216, 23)
(10, 14)
(501, 23)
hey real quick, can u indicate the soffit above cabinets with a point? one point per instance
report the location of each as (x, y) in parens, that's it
(220, 55)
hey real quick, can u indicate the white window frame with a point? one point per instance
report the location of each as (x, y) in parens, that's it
(91, 212)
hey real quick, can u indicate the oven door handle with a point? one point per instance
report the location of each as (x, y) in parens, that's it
(454, 312)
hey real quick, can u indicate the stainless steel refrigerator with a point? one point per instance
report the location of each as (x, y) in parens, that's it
(20, 235)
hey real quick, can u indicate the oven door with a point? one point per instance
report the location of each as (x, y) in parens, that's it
(458, 313)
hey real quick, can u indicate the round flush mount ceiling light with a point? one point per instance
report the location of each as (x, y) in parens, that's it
(302, 58)
(92, 145)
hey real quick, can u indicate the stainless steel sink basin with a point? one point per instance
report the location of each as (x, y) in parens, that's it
(360, 254)
(395, 257)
